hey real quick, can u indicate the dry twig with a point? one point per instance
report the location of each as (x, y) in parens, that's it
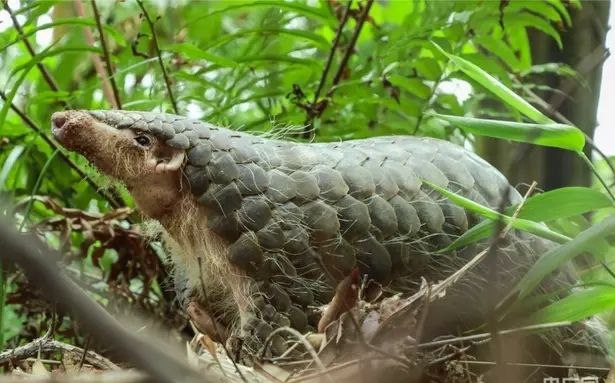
(167, 80)
(47, 344)
(107, 56)
(110, 94)
(316, 110)
(311, 109)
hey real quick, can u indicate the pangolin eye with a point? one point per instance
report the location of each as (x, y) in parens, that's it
(143, 140)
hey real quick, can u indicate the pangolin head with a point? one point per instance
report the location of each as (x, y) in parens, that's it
(144, 150)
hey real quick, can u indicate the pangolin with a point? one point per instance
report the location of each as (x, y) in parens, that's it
(262, 230)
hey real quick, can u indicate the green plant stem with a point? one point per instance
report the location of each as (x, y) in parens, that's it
(37, 185)
(598, 176)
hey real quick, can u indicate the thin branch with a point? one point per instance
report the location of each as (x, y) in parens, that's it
(430, 101)
(351, 45)
(98, 65)
(486, 335)
(598, 176)
(305, 343)
(167, 80)
(115, 202)
(311, 110)
(46, 75)
(586, 65)
(517, 211)
(342, 67)
(107, 56)
(48, 344)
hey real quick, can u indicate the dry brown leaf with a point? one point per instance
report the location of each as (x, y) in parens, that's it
(205, 323)
(345, 298)
(209, 345)
(39, 369)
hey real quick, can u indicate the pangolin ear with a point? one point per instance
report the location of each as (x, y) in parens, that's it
(172, 162)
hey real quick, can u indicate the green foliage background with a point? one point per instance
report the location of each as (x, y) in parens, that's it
(257, 65)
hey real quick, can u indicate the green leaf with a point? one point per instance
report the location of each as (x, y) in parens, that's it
(497, 88)
(500, 49)
(484, 211)
(54, 52)
(547, 134)
(9, 163)
(579, 305)
(559, 5)
(550, 261)
(117, 36)
(570, 202)
(412, 85)
(26, 67)
(300, 8)
(525, 19)
(193, 52)
(318, 40)
(279, 58)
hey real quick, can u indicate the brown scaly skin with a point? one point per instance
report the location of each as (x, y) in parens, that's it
(163, 169)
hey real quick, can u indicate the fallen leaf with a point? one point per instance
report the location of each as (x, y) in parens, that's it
(39, 369)
(345, 298)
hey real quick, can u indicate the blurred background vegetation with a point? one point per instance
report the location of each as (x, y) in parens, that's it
(304, 70)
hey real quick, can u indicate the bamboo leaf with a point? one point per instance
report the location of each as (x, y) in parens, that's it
(527, 19)
(579, 305)
(570, 202)
(496, 87)
(54, 52)
(551, 260)
(484, 211)
(547, 134)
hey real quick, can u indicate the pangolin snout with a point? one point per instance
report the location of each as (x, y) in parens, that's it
(58, 121)
(69, 127)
